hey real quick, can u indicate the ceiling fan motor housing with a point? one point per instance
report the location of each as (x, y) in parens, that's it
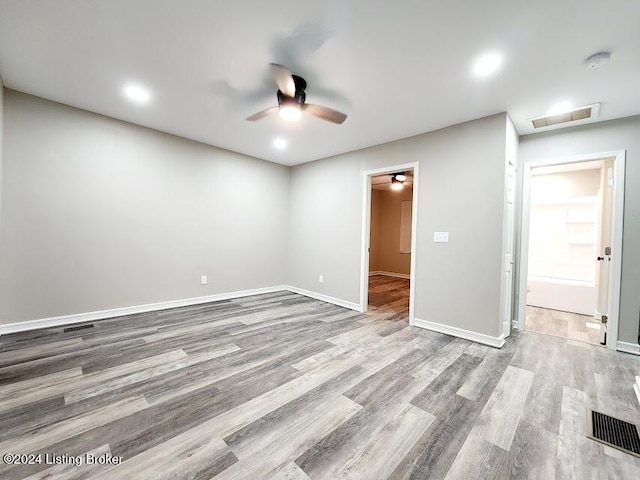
(299, 96)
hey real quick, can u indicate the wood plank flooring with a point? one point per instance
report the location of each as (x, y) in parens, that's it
(581, 328)
(281, 386)
(388, 294)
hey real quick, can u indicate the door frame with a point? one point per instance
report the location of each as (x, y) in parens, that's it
(366, 233)
(618, 205)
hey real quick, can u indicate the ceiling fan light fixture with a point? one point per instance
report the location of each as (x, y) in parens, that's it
(290, 112)
(401, 177)
(396, 184)
(292, 100)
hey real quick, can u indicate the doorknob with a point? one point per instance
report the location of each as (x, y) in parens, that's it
(600, 258)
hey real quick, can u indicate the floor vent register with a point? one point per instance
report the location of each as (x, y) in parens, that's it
(614, 432)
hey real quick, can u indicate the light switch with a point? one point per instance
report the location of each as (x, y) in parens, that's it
(441, 237)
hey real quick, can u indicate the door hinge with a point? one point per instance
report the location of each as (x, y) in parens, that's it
(611, 182)
(604, 319)
(607, 250)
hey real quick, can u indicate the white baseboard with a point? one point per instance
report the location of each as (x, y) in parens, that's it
(628, 347)
(118, 312)
(496, 342)
(390, 274)
(324, 298)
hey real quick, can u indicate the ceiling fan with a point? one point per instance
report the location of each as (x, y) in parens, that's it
(291, 99)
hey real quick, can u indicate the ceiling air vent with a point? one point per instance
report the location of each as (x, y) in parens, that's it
(573, 117)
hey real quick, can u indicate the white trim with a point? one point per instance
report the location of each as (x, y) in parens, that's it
(506, 327)
(496, 342)
(364, 240)
(64, 320)
(119, 312)
(627, 347)
(324, 298)
(619, 175)
(389, 274)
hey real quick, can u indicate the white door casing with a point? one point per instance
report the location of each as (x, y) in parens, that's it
(604, 254)
(366, 232)
(507, 267)
(615, 265)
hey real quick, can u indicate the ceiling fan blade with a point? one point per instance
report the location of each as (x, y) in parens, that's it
(284, 79)
(325, 113)
(262, 114)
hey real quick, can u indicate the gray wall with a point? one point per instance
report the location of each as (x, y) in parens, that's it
(1, 147)
(461, 190)
(621, 134)
(99, 214)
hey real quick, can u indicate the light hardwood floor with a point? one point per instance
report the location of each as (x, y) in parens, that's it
(282, 386)
(563, 324)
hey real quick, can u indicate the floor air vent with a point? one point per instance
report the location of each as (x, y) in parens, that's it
(79, 327)
(613, 432)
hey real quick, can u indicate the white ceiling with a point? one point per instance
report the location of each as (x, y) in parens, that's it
(396, 68)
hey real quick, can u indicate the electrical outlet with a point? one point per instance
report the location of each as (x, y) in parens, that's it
(321, 278)
(203, 280)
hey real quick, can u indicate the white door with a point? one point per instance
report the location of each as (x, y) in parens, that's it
(508, 252)
(604, 256)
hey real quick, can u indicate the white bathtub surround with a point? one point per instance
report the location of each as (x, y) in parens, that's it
(566, 295)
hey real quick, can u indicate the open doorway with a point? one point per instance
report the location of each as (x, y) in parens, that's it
(389, 217)
(571, 233)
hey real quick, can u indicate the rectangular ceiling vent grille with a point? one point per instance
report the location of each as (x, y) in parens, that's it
(567, 119)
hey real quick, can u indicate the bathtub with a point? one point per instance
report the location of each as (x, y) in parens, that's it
(558, 294)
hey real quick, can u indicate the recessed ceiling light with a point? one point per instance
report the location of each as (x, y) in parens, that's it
(560, 107)
(280, 143)
(137, 93)
(487, 64)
